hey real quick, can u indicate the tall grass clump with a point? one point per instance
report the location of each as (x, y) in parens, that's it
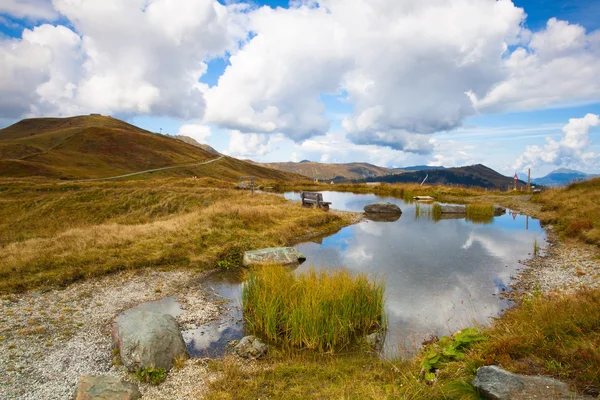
(480, 213)
(325, 311)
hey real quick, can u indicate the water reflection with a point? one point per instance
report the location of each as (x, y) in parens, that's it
(441, 275)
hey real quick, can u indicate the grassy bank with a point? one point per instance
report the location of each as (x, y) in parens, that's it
(313, 310)
(574, 210)
(53, 234)
(556, 336)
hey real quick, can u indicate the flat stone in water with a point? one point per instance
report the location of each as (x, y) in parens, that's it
(287, 256)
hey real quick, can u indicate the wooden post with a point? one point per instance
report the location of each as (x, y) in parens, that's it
(529, 179)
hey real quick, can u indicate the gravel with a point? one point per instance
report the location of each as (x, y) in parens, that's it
(47, 340)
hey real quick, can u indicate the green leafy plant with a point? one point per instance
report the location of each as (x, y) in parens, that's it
(447, 349)
(151, 375)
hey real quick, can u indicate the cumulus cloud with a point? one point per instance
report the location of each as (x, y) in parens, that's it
(251, 144)
(404, 66)
(569, 151)
(124, 57)
(558, 67)
(35, 10)
(198, 132)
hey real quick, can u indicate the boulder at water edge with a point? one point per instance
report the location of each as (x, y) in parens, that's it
(497, 384)
(147, 339)
(92, 387)
(456, 209)
(499, 210)
(287, 256)
(383, 207)
(251, 347)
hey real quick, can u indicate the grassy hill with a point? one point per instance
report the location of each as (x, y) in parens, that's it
(97, 146)
(324, 171)
(471, 176)
(194, 142)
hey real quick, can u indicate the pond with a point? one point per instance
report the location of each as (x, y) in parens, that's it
(440, 276)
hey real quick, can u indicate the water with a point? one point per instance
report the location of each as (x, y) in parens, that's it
(441, 276)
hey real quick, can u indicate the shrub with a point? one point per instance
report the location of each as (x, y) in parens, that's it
(151, 375)
(575, 227)
(314, 310)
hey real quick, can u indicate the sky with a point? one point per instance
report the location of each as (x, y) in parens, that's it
(512, 85)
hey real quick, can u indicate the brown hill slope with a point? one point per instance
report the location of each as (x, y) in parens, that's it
(98, 147)
(325, 171)
(194, 142)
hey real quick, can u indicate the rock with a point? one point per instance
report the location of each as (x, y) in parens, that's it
(499, 210)
(383, 217)
(287, 256)
(92, 387)
(455, 209)
(251, 347)
(497, 384)
(147, 339)
(376, 339)
(383, 207)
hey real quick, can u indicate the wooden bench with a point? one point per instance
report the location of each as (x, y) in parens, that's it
(310, 199)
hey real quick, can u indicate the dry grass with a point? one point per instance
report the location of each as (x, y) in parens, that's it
(326, 311)
(575, 210)
(54, 235)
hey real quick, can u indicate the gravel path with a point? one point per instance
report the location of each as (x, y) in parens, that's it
(47, 340)
(564, 266)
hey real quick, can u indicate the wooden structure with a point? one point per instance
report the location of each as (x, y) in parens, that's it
(247, 183)
(310, 199)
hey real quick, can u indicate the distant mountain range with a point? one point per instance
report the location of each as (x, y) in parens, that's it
(561, 177)
(96, 146)
(419, 168)
(471, 176)
(331, 171)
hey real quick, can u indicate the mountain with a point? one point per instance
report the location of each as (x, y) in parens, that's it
(473, 175)
(562, 177)
(419, 168)
(193, 142)
(95, 146)
(337, 172)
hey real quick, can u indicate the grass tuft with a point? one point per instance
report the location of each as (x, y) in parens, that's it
(325, 311)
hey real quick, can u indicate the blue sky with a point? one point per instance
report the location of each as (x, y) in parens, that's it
(413, 85)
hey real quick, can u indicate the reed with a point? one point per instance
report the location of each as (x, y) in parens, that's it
(325, 311)
(480, 213)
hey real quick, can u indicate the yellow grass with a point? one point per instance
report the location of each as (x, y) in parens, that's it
(53, 234)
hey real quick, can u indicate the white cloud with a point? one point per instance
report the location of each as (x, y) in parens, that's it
(198, 132)
(558, 68)
(35, 10)
(127, 57)
(569, 151)
(251, 145)
(404, 66)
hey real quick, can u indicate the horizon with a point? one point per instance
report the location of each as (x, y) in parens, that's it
(509, 85)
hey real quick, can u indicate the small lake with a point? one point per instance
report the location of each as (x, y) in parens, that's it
(440, 276)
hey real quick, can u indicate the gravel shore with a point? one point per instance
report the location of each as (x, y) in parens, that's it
(47, 340)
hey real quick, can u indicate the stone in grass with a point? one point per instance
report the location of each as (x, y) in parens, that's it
(497, 384)
(251, 347)
(147, 339)
(383, 208)
(92, 387)
(286, 256)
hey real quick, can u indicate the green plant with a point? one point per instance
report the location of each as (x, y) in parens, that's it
(536, 247)
(447, 349)
(151, 375)
(325, 311)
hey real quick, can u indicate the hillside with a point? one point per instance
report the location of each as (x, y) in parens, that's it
(96, 146)
(471, 176)
(194, 142)
(419, 168)
(324, 171)
(562, 177)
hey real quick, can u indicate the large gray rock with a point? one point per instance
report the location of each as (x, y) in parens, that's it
(455, 209)
(287, 256)
(497, 384)
(499, 210)
(147, 339)
(92, 387)
(251, 347)
(383, 207)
